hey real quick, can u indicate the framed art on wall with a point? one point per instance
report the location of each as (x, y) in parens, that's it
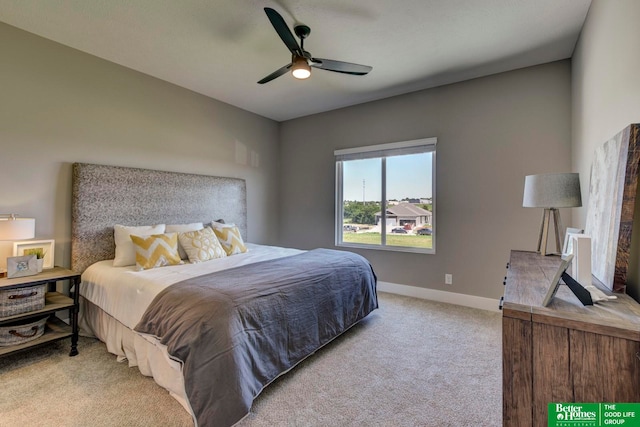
(612, 197)
(20, 266)
(40, 248)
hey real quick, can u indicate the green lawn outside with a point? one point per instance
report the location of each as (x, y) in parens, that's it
(407, 240)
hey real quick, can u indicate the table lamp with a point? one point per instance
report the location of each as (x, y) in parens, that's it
(14, 228)
(551, 191)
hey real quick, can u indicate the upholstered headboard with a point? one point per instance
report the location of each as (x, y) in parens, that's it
(103, 196)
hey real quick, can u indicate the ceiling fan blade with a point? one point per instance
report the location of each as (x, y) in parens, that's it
(275, 74)
(340, 66)
(283, 31)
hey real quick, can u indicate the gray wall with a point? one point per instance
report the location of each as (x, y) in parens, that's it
(491, 133)
(606, 94)
(59, 106)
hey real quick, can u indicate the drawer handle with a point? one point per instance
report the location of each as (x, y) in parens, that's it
(638, 355)
(18, 334)
(32, 294)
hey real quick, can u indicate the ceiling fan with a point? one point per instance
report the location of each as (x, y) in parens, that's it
(302, 61)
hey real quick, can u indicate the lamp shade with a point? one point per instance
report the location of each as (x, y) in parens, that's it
(300, 68)
(13, 228)
(554, 190)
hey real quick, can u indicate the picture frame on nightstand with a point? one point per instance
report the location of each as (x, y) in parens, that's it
(21, 266)
(32, 246)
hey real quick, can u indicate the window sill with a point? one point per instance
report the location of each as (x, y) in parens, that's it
(388, 248)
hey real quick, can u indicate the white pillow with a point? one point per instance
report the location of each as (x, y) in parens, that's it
(125, 251)
(219, 225)
(183, 228)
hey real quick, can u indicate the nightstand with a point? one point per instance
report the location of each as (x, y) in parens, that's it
(55, 329)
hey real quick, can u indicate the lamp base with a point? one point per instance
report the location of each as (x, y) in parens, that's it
(544, 231)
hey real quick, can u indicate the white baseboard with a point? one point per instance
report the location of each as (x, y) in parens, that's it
(441, 296)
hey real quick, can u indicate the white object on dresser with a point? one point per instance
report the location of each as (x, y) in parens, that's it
(581, 265)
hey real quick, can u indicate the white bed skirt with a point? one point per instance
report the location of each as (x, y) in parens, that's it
(145, 352)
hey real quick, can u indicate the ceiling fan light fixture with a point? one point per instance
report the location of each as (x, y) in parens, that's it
(301, 60)
(300, 68)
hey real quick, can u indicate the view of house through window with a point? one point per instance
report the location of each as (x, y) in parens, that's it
(396, 176)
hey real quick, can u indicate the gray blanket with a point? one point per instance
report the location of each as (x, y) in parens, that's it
(237, 330)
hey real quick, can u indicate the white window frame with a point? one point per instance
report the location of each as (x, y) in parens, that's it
(383, 151)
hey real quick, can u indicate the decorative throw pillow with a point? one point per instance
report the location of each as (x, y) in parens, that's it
(229, 237)
(201, 245)
(125, 251)
(157, 250)
(181, 228)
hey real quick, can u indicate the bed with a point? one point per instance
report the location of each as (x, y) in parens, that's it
(213, 333)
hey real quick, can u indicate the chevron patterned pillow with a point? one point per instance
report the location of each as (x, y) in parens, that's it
(201, 245)
(230, 238)
(157, 250)
(125, 251)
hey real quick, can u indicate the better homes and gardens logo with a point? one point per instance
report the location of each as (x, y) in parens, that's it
(594, 414)
(574, 414)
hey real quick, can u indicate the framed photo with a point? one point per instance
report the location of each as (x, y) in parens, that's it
(20, 266)
(555, 282)
(567, 248)
(36, 247)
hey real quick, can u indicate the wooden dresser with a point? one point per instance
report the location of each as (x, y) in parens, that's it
(565, 352)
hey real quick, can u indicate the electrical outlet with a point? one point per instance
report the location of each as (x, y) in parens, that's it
(448, 279)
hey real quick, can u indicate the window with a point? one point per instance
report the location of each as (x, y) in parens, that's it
(400, 177)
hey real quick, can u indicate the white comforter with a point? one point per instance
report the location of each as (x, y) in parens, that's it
(125, 293)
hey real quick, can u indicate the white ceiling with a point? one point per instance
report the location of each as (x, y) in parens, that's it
(221, 48)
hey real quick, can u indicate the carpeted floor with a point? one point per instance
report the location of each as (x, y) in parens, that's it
(410, 363)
